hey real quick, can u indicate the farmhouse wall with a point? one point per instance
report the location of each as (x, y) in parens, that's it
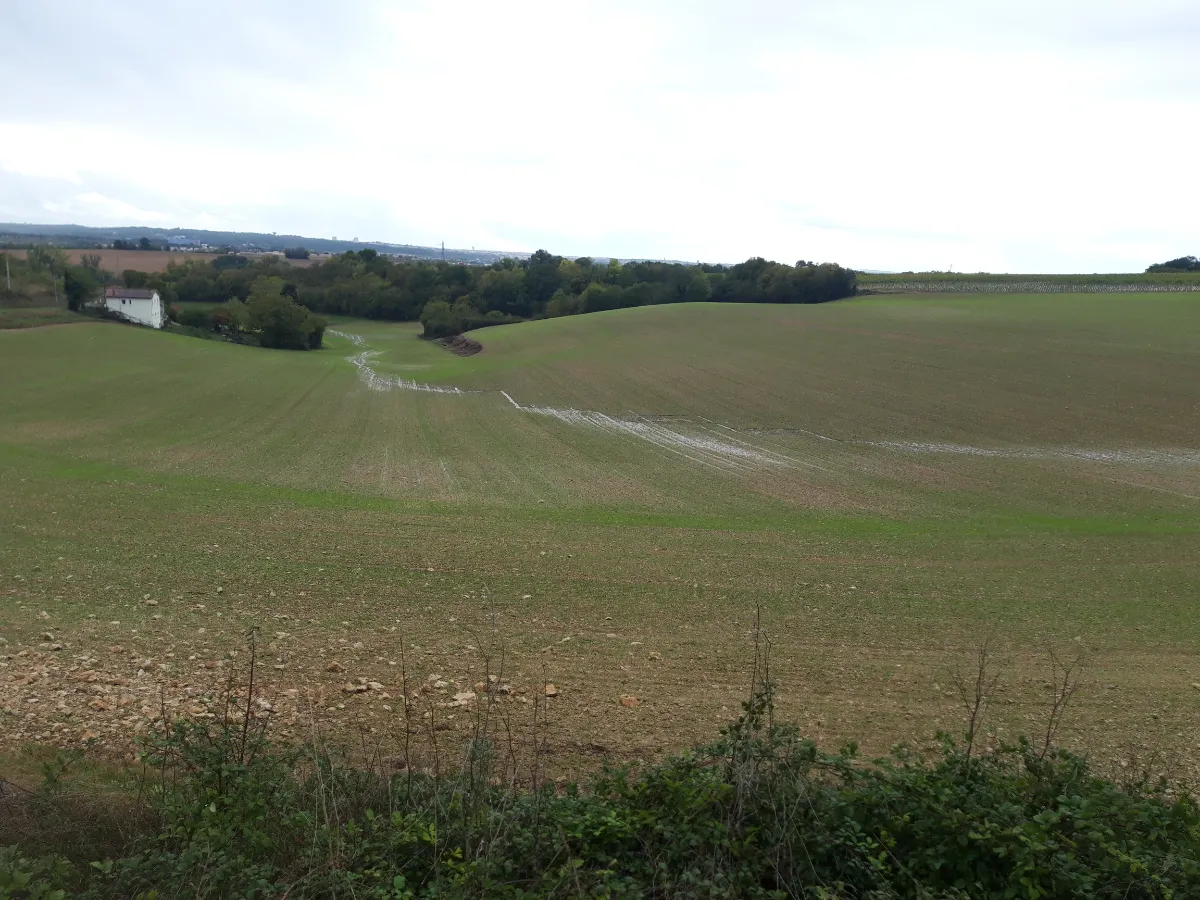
(145, 312)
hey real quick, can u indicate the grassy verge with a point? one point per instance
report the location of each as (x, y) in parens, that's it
(32, 317)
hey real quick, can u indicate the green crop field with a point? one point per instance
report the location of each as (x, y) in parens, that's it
(610, 497)
(988, 283)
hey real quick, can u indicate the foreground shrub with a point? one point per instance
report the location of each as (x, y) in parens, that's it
(192, 317)
(41, 878)
(762, 813)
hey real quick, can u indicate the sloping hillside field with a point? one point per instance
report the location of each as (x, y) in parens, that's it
(610, 497)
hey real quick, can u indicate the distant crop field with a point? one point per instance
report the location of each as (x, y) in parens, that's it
(612, 497)
(143, 260)
(986, 283)
(138, 260)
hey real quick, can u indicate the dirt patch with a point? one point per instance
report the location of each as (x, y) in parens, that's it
(460, 344)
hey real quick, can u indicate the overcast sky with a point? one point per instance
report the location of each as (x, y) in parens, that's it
(1022, 135)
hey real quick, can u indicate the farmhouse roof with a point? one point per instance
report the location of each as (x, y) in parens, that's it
(129, 293)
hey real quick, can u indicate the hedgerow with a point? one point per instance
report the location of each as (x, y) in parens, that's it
(761, 813)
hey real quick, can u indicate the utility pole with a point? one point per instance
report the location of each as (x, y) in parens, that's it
(7, 274)
(443, 251)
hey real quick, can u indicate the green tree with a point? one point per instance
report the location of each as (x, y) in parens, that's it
(542, 278)
(279, 321)
(80, 286)
(564, 304)
(573, 277)
(43, 257)
(48, 259)
(503, 289)
(599, 297)
(1182, 264)
(376, 286)
(231, 318)
(439, 320)
(230, 261)
(195, 317)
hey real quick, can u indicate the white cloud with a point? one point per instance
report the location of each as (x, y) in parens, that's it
(1048, 136)
(38, 151)
(103, 210)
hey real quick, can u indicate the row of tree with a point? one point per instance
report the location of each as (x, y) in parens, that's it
(269, 317)
(81, 283)
(1182, 264)
(142, 243)
(450, 298)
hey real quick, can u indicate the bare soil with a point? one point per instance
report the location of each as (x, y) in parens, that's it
(461, 345)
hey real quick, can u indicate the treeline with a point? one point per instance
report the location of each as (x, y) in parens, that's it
(270, 317)
(142, 243)
(47, 278)
(22, 283)
(1182, 264)
(449, 298)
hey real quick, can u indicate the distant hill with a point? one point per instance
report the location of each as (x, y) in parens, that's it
(83, 236)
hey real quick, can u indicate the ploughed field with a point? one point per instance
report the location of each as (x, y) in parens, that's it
(139, 260)
(609, 498)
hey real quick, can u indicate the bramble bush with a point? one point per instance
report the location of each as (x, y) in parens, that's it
(761, 813)
(40, 878)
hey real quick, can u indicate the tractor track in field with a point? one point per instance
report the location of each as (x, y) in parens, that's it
(703, 445)
(719, 446)
(378, 382)
(1169, 456)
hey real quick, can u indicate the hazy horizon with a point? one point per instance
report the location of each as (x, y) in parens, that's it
(1003, 137)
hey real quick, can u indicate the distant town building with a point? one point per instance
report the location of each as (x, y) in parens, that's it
(185, 244)
(139, 305)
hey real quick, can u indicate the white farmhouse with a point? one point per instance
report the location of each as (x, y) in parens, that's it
(138, 305)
